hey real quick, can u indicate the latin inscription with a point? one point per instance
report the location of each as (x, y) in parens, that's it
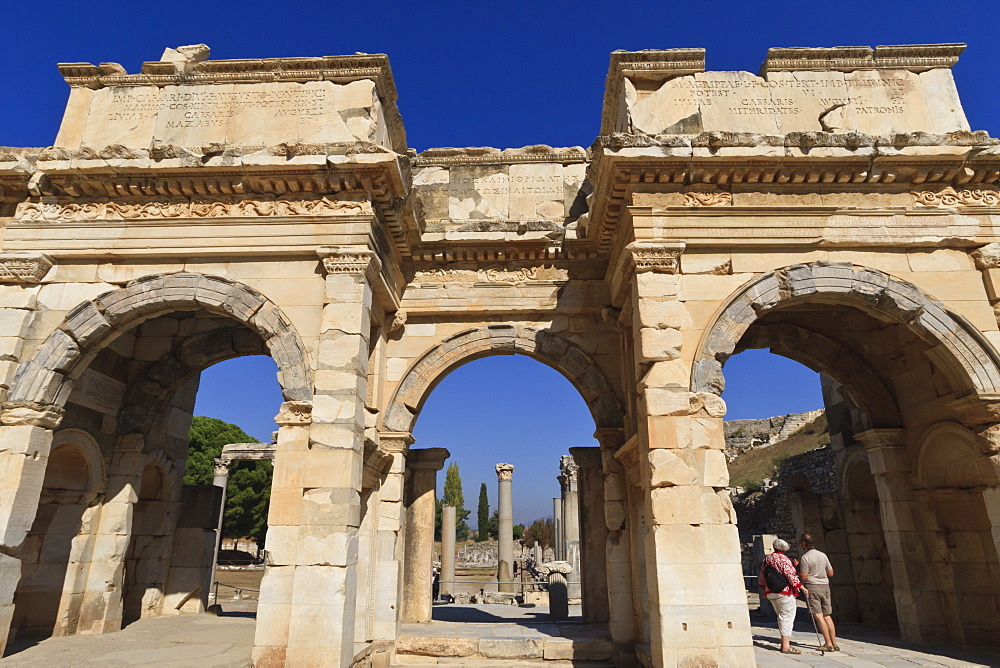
(214, 108)
(745, 97)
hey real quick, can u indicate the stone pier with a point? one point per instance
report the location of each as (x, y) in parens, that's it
(505, 529)
(593, 574)
(423, 465)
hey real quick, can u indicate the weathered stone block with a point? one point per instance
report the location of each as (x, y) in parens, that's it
(655, 345)
(509, 648)
(671, 467)
(431, 646)
(663, 314)
(668, 402)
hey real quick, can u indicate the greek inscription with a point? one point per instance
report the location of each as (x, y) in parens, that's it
(747, 97)
(503, 184)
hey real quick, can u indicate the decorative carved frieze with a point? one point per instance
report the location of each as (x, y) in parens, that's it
(294, 413)
(506, 274)
(952, 197)
(708, 199)
(24, 267)
(179, 207)
(661, 258)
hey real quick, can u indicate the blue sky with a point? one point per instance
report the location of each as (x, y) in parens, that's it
(483, 74)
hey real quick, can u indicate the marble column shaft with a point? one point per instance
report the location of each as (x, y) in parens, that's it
(557, 522)
(423, 465)
(571, 523)
(505, 528)
(448, 527)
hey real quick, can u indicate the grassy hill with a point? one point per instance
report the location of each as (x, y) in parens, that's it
(747, 470)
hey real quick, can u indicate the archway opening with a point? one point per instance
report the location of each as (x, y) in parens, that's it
(512, 409)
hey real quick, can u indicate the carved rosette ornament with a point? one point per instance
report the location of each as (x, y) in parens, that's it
(661, 258)
(24, 267)
(708, 199)
(351, 260)
(505, 471)
(952, 197)
(294, 413)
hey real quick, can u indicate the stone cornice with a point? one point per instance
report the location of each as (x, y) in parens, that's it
(338, 69)
(913, 57)
(444, 157)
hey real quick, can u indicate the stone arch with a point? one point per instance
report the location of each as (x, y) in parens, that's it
(147, 394)
(962, 352)
(819, 352)
(90, 451)
(853, 456)
(949, 455)
(46, 379)
(555, 351)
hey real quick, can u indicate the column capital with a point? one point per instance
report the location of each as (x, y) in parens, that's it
(662, 257)
(569, 469)
(17, 413)
(586, 457)
(505, 471)
(427, 458)
(610, 438)
(293, 413)
(395, 441)
(357, 260)
(221, 466)
(886, 450)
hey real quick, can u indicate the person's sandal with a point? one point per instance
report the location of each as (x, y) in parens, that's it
(836, 648)
(827, 648)
(791, 650)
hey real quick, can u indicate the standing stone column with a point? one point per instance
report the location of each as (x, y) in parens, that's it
(593, 534)
(571, 522)
(220, 479)
(423, 465)
(448, 528)
(680, 447)
(557, 526)
(919, 606)
(505, 528)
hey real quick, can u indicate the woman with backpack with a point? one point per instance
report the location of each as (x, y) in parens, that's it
(780, 585)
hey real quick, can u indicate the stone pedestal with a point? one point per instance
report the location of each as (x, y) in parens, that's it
(505, 529)
(423, 465)
(594, 534)
(448, 526)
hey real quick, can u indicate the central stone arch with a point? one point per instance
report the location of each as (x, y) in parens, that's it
(961, 351)
(555, 351)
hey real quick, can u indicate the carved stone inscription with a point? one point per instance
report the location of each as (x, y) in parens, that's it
(258, 114)
(102, 393)
(874, 102)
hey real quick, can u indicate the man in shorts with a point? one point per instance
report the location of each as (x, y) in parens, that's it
(816, 571)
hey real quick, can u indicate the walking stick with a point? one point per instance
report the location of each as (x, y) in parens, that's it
(819, 643)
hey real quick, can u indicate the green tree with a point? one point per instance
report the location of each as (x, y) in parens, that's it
(518, 530)
(249, 490)
(541, 532)
(453, 497)
(483, 515)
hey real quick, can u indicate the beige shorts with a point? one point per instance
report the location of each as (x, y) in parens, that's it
(820, 601)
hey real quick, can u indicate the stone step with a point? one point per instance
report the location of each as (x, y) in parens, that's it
(544, 650)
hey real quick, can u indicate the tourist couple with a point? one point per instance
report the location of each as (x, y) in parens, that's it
(780, 583)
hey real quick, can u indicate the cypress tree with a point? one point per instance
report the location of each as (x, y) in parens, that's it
(483, 515)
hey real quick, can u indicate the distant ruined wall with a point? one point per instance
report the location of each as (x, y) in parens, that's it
(744, 435)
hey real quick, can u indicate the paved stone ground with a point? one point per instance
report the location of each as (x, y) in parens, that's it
(226, 642)
(187, 640)
(860, 647)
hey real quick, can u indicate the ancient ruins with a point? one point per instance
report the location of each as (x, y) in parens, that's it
(836, 209)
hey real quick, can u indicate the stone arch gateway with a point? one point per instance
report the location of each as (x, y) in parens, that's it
(173, 224)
